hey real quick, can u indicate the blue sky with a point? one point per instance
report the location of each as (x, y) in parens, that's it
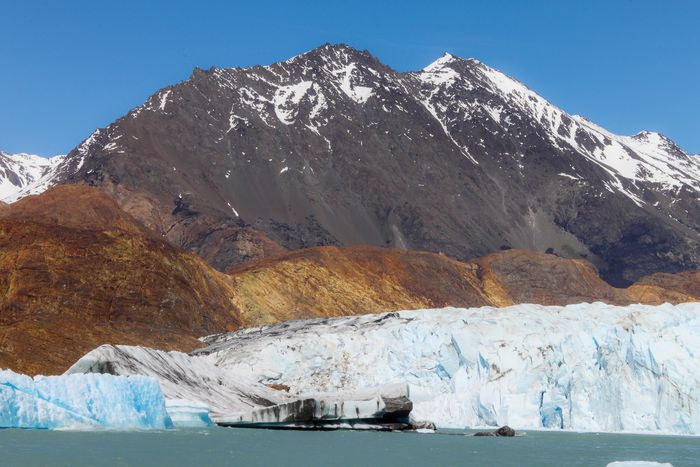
(72, 66)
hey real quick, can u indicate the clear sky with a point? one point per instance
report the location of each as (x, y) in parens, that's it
(69, 67)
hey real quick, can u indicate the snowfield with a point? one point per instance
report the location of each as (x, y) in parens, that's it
(586, 367)
(26, 174)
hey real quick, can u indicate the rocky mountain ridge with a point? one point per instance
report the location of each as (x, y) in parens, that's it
(332, 147)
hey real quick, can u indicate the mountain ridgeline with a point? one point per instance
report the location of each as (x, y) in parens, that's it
(332, 147)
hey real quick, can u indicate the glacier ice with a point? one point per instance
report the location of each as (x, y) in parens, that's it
(188, 414)
(183, 377)
(638, 464)
(586, 367)
(81, 402)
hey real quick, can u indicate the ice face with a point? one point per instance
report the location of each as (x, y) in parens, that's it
(587, 367)
(90, 401)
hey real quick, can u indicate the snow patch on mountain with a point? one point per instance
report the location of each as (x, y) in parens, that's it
(356, 92)
(26, 174)
(287, 99)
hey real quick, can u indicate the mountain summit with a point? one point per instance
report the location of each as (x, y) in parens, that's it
(332, 147)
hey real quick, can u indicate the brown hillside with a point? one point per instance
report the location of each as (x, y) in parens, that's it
(77, 272)
(68, 285)
(337, 281)
(332, 281)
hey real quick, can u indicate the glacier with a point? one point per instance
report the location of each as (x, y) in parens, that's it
(586, 367)
(91, 401)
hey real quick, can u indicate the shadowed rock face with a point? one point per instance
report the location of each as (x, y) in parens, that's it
(76, 271)
(334, 148)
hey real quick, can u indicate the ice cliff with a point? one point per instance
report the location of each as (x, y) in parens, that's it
(588, 367)
(81, 402)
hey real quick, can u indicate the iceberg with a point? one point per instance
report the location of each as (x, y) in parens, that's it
(90, 401)
(585, 367)
(638, 464)
(188, 414)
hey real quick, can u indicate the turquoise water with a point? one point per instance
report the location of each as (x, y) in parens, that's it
(228, 446)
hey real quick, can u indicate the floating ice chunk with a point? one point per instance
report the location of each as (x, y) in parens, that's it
(188, 414)
(81, 402)
(638, 464)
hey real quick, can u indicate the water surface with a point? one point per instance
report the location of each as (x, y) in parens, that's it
(230, 446)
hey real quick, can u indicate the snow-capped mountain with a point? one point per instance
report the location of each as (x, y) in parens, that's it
(25, 174)
(333, 147)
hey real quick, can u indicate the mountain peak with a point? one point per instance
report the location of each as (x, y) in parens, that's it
(659, 141)
(651, 136)
(334, 52)
(440, 63)
(448, 59)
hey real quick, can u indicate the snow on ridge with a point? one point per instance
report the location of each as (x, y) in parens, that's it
(26, 174)
(340, 52)
(439, 64)
(164, 99)
(439, 77)
(646, 157)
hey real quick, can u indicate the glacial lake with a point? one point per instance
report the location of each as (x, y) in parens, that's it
(228, 446)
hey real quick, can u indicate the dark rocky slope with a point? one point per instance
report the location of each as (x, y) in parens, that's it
(334, 148)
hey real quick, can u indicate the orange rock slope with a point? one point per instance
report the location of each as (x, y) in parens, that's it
(332, 281)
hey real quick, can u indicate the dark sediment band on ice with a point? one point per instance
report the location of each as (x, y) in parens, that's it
(386, 409)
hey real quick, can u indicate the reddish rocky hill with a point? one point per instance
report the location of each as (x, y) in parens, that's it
(76, 272)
